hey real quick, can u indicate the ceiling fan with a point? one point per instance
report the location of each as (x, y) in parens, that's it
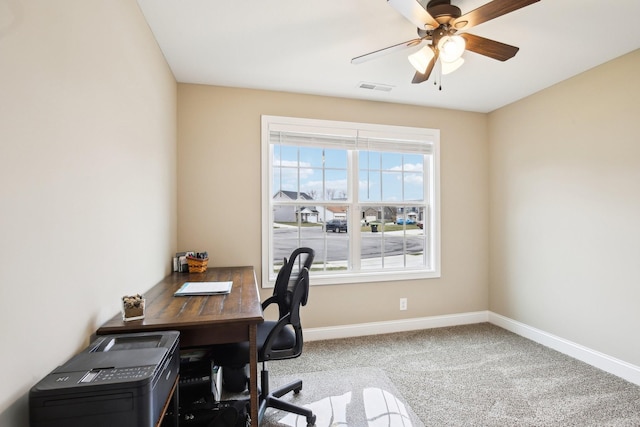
(439, 24)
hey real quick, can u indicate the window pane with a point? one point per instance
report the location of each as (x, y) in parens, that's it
(369, 186)
(402, 178)
(311, 183)
(413, 187)
(370, 160)
(388, 214)
(391, 186)
(335, 241)
(284, 189)
(415, 248)
(285, 155)
(288, 237)
(336, 184)
(335, 159)
(413, 177)
(285, 240)
(371, 254)
(330, 243)
(316, 179)
(382, 247)
(285, 170)
(310, 156)
(275, 177)
(413, 162)
(391, 238)
(391, 161)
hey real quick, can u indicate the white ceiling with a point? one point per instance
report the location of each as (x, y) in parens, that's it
(306, 47)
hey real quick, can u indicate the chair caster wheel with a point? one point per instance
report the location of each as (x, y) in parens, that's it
(297, 390)
(311, 421)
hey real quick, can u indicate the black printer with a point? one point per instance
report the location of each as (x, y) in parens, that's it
(119, 380)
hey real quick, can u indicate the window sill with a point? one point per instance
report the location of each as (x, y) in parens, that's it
(319, 279)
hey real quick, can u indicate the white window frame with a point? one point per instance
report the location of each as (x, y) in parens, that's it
(353, 130)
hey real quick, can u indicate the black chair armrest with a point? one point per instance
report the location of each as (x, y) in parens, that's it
(271, 300)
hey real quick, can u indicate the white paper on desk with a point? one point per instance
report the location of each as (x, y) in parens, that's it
(204, 288)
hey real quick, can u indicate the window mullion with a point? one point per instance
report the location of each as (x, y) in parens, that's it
(354, 209)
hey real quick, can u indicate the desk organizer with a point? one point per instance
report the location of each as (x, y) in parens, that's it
(197, 265)
(132, 307)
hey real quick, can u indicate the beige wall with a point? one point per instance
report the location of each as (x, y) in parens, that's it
(88, 173)
(90, 208)
(219, 197)
(565, 209)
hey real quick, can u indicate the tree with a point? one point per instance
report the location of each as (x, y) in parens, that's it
(331, 192)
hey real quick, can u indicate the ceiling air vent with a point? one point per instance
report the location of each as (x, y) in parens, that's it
(375, 86)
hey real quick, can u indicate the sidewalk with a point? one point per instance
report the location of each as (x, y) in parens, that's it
(395, 261)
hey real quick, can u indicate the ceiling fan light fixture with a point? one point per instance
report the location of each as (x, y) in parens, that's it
(421, 59)
(450, 67)
(451, 48)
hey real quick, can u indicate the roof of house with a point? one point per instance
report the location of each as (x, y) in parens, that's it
(293, 195)
(337, 209)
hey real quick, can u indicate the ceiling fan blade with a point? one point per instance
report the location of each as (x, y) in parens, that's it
(414, 12)
(489, 11)
(419, 77)
(385, 51)
(488, 47)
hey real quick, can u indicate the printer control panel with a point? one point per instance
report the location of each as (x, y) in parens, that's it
(118, 374)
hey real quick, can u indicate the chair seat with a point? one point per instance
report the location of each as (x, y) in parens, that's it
(238, 353)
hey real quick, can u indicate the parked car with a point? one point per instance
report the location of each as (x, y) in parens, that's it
(407, 221)
(336, 225)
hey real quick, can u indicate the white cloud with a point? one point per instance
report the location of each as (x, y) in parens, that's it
(408, 167)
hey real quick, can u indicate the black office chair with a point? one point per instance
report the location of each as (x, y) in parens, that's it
(278, 340)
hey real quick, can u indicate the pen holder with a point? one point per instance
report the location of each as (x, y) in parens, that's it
(197, 265)
(132, 308)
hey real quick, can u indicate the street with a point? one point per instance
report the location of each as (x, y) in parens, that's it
(336, 244)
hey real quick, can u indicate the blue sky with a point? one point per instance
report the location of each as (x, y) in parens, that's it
(383, 176)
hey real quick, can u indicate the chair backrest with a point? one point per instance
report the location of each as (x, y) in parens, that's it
(290, 294)
(288, 276)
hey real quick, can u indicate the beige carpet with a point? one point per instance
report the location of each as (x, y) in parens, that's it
(475, 375)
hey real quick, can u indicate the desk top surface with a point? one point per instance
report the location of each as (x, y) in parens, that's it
(165, 311)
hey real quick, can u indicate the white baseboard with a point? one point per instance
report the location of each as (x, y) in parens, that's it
(602, 361)
(375, 328)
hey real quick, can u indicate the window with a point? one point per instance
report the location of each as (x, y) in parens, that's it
(364, 197)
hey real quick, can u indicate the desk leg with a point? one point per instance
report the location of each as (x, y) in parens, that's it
(176, 405)
(172, 399)
(253, 373)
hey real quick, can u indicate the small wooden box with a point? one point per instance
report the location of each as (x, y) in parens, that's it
(197, 265)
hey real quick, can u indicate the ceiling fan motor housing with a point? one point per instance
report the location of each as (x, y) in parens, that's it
(443, 11)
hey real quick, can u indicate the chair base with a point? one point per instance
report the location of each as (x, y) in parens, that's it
(272, 400)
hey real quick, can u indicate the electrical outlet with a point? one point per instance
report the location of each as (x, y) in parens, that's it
(403, 303)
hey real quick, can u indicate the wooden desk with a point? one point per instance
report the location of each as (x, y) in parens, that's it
(204, 320)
